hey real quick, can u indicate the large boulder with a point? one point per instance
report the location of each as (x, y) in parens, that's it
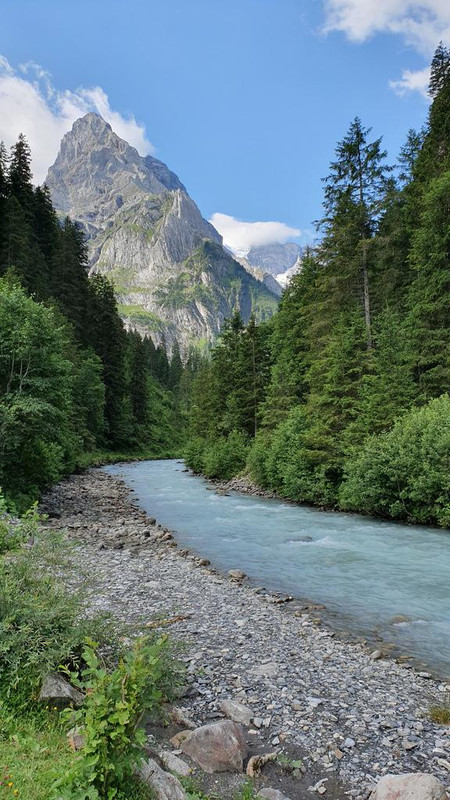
(57, 691)
(410, 786)
(217, 747)
(164, 786)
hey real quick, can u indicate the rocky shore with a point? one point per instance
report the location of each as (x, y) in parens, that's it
(349, 714)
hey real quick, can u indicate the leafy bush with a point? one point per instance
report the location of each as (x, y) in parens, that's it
(41, 624)
(285, 463)
(111, 719)
(194, 454)
(404, 473)
(35, 395)
(222, 459)
(225, 457)
(257, 460)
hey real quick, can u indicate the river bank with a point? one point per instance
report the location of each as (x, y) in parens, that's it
(350, 715)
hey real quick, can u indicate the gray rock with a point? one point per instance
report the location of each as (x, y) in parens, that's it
(55, 689)
(376, 655)
(237, 712)
(268, 670)
(218, 747)
(411, 786)
(272, 794)
(174, 764)
(179, 716)
(165, 786)
(236, 574)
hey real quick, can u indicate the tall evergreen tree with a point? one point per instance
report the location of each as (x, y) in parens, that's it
(354, 199)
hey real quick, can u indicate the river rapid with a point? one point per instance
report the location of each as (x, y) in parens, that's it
(375, 577)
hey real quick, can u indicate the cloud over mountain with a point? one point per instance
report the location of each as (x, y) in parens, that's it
(240, 236)
(33, 106)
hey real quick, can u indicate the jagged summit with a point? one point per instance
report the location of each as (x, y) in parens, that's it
(171, 273)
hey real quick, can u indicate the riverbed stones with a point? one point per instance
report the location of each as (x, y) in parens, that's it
(237, 712)
(325, 689)
(57, 691)
(267, 670)
(412, 786)
(164, 785)
(217, 747)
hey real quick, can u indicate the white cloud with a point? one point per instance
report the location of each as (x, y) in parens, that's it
(240, 236)
(30, 104)
(420, 23)
(412, 81)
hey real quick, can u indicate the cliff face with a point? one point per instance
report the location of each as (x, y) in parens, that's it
(171, 274)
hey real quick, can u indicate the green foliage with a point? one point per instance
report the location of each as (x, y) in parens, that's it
(360, 342)
(193, 453)
(404, 473)
(36, 402)
(112, 720)
(72, 380)
(440, 714)
(32, 751)
(41, 624)
(16, 532)
(225, 457)
(222, 458)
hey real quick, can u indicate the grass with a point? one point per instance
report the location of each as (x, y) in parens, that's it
(32, 755)
(440, 714)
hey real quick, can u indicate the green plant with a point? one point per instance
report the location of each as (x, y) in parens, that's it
(404, 473)
(288, 764)
(192, 790)
(440, 714)
(247, 792)
(10, 534)
(225, 457)
(111, 718)
(42, 625)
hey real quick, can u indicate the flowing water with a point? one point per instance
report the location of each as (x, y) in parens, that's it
(367, 572)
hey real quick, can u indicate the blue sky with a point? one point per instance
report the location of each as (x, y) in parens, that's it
(244, 99)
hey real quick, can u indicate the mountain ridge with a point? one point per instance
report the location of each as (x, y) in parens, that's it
(146, 233)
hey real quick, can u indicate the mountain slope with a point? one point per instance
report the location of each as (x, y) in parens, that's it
(172, 275)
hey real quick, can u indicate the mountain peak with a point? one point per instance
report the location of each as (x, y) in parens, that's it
(167, 263)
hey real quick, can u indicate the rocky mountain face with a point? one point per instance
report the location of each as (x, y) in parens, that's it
(172, 276)
(275, 258)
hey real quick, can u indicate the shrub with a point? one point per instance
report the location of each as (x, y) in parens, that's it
(111, 718)
(41, 625)
(257, 460)
(404, 473)
(194, 454)
(285, 463)
(225, 457)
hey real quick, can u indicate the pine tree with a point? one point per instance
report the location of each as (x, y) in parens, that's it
(440, 70)
(354, 199)
(175, 368)
(109, 342)
(15, 244)
(138, 382)
(20, 176)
